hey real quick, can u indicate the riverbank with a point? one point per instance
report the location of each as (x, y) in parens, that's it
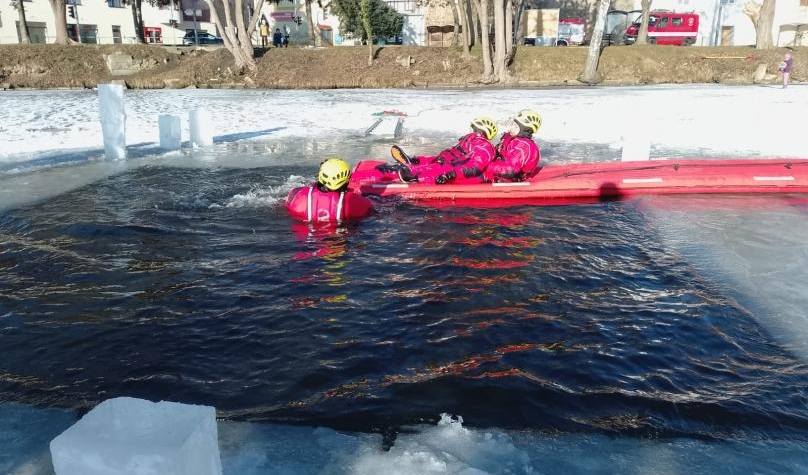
(148, 66)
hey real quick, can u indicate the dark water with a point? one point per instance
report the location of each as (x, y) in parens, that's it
(157, 283)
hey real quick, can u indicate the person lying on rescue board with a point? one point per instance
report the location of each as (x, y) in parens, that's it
(516, 156)
(328, 200)
(465, 161)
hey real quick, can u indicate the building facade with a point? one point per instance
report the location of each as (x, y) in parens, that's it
(721, 22)
(106, 21)
(726, 22)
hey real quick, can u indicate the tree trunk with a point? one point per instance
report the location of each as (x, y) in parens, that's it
(364, 12)
(233, 34)
(60, 20)
(474, 18)
(500, 66)
(590, 74)
(315, 36)
(510, 34)
(764, 25)
(25, 36)
(456, 25)
(519, 37)
(485, 42)
(137, 19)
(642, 34)
(465, 26)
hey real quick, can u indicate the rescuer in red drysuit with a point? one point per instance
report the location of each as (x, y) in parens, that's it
(517, 154)
(464, 162)
(328, 200)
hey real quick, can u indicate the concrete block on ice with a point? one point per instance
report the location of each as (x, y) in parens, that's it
(128, 436)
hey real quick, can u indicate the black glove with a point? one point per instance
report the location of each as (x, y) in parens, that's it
(446, 177)
(469, 172)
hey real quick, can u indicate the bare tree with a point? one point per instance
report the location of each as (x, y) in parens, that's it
(500, 67)
(497, 55)
(590, 74)
(485, 40)
(60, 20)
(463, 8)
(236, 31)
(642, 34)
(364, 12)
(25, 36)
(764, 25)
(315, 36)
(762, 16)
(137, 19)
(455, 22)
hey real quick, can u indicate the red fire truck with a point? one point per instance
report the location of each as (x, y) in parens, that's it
(666, 28)
(571, 31)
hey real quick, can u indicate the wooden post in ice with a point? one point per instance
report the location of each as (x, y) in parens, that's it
(170, 132)
(199, 121)
(113, 120)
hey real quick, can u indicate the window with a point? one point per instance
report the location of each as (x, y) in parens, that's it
(37, 32)
(116, 34)
(676, 21)
(115, 3)
(663, 22)
(89, 34)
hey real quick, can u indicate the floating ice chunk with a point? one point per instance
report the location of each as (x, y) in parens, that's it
(636, 147)
(128, 436)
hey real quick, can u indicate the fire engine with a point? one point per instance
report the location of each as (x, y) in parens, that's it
(666, 28)
(571, 31)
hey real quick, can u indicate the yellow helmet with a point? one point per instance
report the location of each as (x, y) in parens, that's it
(529, 120)
(334, 173)
(486, 125)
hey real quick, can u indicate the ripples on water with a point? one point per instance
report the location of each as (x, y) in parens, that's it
(193, 285)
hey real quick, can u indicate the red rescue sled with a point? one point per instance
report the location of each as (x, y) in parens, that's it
(589, 182)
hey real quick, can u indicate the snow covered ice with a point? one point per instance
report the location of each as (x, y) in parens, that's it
(128, 436)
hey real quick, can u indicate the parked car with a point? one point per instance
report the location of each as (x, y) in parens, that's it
(201, 38)
(392, 40)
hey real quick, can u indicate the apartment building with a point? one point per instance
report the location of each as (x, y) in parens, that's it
(105, 21)
(110, 21)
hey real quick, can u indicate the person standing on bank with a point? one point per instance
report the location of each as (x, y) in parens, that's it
(785, 67)
(277, 38)
(264, 31)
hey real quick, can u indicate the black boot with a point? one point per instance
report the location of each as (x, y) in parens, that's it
(387, 168)
(400, 156)
(406, 175)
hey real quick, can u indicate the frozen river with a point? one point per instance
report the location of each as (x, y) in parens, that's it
(658, 335)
